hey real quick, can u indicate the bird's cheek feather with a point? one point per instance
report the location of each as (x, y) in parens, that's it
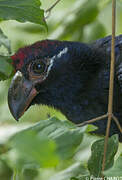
(20, 95)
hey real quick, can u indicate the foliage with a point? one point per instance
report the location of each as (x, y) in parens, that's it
(52, 142)
(24, 10)
(116, 169)
(95, 161)
(6, 68)
(5, 61)
(52, 149)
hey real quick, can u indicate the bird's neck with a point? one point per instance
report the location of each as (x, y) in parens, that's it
(84, 108)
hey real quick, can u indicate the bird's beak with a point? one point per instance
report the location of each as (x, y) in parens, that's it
(20, 95)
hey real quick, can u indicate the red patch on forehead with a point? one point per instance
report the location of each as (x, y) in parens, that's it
(18, 60)
(40, 47)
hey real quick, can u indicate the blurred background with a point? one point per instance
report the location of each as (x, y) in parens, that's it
(73, 20)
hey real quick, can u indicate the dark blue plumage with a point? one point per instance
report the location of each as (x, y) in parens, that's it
(76, 81)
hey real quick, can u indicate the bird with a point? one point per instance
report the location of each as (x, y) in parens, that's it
(72, 77)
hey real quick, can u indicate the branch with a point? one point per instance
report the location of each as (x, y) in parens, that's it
(48, 11)
(117, 123)
(92, 120)
(111, 84)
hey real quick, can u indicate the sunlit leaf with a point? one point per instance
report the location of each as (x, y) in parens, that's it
(91, 128)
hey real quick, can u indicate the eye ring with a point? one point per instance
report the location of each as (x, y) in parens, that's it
(38, 67)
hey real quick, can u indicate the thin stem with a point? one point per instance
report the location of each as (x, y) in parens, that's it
(50, 8)
(117, 123)
(111, 84)
(92, 120)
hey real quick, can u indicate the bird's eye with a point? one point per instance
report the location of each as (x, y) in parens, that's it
(38, 67)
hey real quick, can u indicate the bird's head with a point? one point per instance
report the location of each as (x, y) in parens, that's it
(47, 72)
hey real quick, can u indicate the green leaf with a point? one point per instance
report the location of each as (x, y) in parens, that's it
(33, 150)
(65, 134)
(91, 128)
(96, 159)
(5, 41)
(71, 172)
(44, 144)
(116, 170)
(22, 11)
(6, 68)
